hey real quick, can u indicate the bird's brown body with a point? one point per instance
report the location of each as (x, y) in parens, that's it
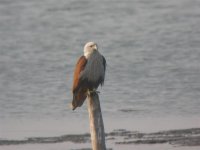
(89, 73)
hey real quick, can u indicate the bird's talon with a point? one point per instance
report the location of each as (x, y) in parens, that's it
(93, 92)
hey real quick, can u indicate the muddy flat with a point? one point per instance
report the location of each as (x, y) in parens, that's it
(181, 138)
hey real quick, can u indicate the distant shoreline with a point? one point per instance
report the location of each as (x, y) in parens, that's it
(179, 137)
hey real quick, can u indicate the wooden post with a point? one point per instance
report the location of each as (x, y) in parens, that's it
(96, 122)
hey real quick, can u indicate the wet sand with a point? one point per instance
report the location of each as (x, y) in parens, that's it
(117, 139)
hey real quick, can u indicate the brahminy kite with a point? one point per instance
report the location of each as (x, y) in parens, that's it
(89, 73)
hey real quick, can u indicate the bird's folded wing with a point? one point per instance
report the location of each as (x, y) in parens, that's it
(79, 67)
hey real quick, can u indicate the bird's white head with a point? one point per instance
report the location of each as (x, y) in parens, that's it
(89, 48)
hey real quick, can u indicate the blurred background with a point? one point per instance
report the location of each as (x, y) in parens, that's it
(153, 66)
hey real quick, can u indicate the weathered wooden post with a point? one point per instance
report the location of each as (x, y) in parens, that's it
(96, 122)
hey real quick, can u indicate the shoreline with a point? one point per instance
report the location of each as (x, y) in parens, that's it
(119, 137)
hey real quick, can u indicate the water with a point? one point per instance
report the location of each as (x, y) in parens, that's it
(152, 52)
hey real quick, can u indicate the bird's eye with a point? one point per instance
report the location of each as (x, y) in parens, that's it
(91, 45)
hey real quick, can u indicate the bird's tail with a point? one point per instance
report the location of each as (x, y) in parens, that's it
(78, 99)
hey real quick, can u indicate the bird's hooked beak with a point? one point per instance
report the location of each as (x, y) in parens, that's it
(95, 47)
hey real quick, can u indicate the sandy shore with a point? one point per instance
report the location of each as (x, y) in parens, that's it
(182, 139)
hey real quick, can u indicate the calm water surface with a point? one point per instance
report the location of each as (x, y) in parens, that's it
(153, 55)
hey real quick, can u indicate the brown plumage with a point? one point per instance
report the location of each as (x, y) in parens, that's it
(79, 93)
(89, 73)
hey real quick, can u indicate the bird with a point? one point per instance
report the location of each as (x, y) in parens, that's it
(89, 73)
